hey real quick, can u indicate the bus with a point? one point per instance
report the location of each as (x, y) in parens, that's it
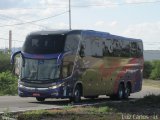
(79, 63)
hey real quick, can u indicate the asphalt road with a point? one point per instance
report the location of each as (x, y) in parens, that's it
(15, 103)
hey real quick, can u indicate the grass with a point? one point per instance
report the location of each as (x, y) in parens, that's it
(147, 106)
(35, 115)
(74, 113)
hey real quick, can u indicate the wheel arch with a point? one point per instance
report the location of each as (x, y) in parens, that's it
(129, 84)
(78, 83)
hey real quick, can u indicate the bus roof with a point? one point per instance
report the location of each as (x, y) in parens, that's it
(52, 32)
(85, 32)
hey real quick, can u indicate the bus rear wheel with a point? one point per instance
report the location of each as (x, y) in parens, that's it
(127, 91)
(40, 99)
(120, 93)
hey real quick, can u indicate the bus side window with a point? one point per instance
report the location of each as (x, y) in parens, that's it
(71, 43)
(96, 47)
(67, 69)
(139, 49)
(134, 49)
(125, 51)
(105, 50)
(107, 47)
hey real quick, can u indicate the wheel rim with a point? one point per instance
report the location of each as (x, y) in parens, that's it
(120, 93)
(127, 92)
(77, 95)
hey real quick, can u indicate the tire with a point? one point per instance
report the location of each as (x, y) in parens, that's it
(127, 91)
(121, 91)
(40, 99)
(76, 95)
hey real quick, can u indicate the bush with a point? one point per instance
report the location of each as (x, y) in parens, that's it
(8, 83)
(5, 62)
(147, 69)
(155, 74)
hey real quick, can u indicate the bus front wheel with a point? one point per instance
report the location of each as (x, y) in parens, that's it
(76, 95)
(40, 99)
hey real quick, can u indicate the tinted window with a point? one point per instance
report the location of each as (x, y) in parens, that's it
(72, 42)
(116, 48)
(125, 52)
(134, 49)
(91, 46)
(96, 47)
(44, 44)
(139, 49)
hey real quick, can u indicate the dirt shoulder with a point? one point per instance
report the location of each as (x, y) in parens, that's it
(152, 83)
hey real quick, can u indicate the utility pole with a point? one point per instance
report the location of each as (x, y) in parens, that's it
(70, 15)
(10, 40)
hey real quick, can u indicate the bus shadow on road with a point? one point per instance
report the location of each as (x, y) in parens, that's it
(149, 105)
(84, 101)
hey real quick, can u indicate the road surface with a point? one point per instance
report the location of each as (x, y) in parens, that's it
(15, 103)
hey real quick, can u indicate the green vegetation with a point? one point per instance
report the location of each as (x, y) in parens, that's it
(74, 113)
(147, 106)
(155, 74)
(100, 110)
(152, 70)
(34, 115)
(8, 82)
(147, 69)
(5, 62)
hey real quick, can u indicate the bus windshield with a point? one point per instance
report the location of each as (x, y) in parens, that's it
(39, 69)
(44, 44)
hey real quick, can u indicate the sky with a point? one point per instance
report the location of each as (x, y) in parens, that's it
(129, 18)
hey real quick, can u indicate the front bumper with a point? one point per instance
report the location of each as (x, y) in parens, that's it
(59, 92)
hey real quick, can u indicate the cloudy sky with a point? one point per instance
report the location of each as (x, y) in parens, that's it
(129, 18)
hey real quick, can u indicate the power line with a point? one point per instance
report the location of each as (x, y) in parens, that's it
(34, 20)
(12, 40)
(55, 5)
(89, 5)
(5, 16)
(105, 5)
(112, 4)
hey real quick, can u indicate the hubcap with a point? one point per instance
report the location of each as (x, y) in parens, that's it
(120, 93)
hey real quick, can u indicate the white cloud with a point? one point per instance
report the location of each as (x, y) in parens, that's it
(113, 23)
(99, 23)
(102, 23)
(148, 32)
(138, 1)
(105, 2)
(62, 25)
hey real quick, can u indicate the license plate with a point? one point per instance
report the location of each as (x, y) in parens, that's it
(36, 94)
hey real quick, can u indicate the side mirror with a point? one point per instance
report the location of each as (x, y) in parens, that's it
(13, 56)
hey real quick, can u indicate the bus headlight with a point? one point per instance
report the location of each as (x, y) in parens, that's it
(55, 86)
(20, 85)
